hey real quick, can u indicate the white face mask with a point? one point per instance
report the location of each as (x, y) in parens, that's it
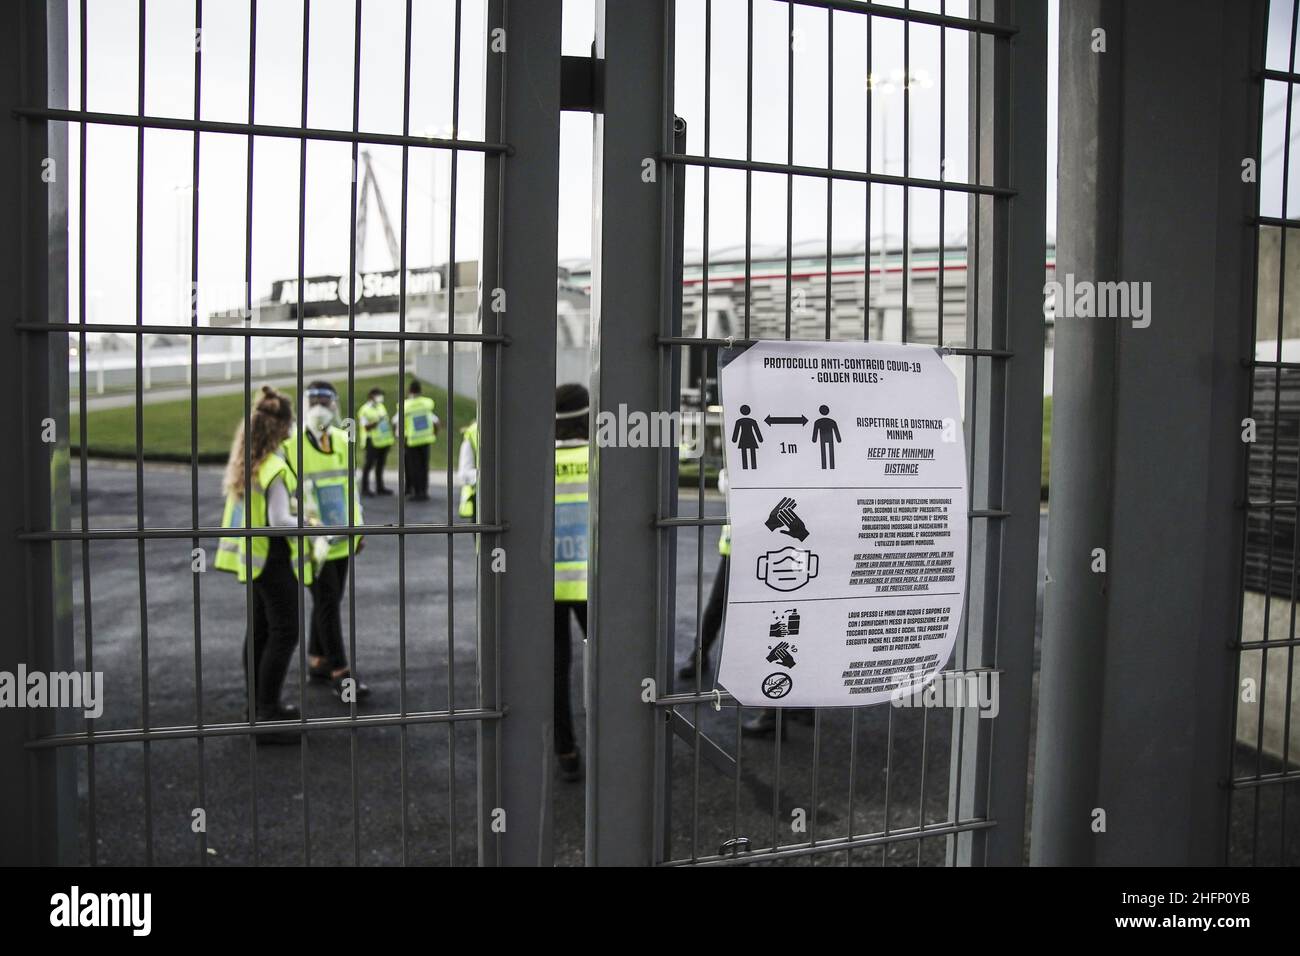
(319, 418)
(378, 399)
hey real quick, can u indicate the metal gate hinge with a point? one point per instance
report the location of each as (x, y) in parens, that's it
(582, 86)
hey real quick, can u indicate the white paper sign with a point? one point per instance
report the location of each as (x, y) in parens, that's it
(848, 506)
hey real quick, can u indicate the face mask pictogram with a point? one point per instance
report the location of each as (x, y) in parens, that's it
(787, 569)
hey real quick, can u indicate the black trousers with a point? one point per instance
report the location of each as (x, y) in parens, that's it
(326, 638)
(564, 742)
(375, 458)
(417, 470)
(275, 625)
(711, 625)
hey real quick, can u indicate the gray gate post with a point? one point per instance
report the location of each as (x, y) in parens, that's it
(1137, 675)
(1008, 97)
(39, 791)
(517, 451)
(626, 303)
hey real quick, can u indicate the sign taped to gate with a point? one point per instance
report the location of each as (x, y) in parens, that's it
(848, 506)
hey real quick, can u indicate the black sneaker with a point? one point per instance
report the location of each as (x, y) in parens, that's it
(571, 766)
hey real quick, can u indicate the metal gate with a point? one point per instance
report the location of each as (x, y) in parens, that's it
(455, 767)
(170, 771)
(1263, 747)
(674, 781)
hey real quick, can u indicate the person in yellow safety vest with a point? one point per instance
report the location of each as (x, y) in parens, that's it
(711, 624)
(327, 483)
(419, 430)
(467, 470)
(571, 454)
(261, 493)
(378, 433)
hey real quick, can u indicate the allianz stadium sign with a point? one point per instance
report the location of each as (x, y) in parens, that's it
(366, 292)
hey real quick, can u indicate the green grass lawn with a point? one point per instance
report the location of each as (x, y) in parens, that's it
(110, 432)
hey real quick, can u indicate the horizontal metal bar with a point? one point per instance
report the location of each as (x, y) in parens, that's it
(313, 724)
(1264, 645)
(669, 341)
(262, 331)
(704, 522)
(1270, 505)
(259, 129)
(991, 513)
(914, 16)
(1265, 780)
(1281, 75)
(1277, 221)
(845, 175)
(840, 844)
(1268, 363)
(149, 534)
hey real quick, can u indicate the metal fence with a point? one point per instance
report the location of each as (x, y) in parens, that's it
(670, 780)
(150, 779)
(858, 785)
(1262, 829)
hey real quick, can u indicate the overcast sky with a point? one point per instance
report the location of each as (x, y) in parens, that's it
(113, 59)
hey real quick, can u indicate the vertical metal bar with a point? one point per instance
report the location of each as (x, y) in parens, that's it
(958, 845)
(451, 372)
(866, 238)
(402, 731)
(139, 445)
(248, 445)
(194, 422)
(521, 226)
(789, 214)
(352, 376)
(943, 166)
(907, 159)
(622, 643)
(305, 739)
(704, 355)
(92, 836)
(749, 157)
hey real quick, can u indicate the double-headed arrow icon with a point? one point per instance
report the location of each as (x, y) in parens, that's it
(801, 420)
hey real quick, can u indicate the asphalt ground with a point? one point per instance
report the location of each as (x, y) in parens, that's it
(392, 795)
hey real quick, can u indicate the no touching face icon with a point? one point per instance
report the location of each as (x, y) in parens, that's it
(787, 569)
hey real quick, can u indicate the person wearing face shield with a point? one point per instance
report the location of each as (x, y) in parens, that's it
(328, 487)
(378, 432)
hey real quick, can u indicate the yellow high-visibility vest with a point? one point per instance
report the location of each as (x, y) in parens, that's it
(418, 420)
(328, 479)
(571, 521)
(232, 553)
(724, 542)
(375, 414)
(469, 491)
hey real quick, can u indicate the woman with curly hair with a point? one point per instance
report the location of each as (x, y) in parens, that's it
(261, 490)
